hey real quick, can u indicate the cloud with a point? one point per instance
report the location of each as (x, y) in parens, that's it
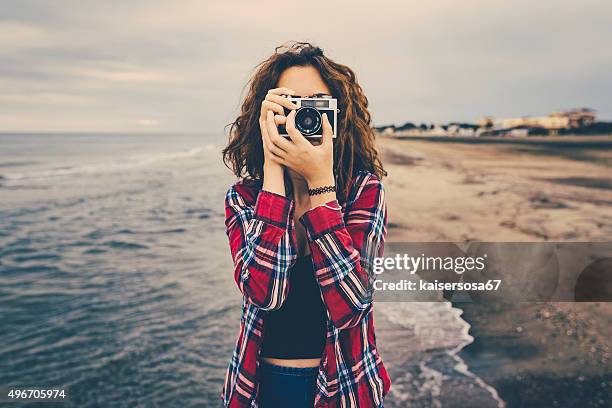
(148, 122)
(16, 36)
(98, 65)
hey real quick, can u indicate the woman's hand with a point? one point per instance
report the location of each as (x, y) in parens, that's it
(274, 179)
(274, 103)
(314, 163)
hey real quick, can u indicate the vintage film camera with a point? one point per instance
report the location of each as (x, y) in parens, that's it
(308, 119)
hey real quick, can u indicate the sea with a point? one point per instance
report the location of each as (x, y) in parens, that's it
(116, 280)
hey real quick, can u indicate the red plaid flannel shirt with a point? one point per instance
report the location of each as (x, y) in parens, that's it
(343, 240)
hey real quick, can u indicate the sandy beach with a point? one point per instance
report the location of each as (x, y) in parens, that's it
(447, 190)
(527, 190)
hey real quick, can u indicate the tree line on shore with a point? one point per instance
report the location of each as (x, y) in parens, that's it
(595, 128)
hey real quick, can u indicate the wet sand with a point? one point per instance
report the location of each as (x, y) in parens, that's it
(527, 190)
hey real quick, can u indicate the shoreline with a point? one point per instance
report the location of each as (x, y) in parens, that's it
(513, 191)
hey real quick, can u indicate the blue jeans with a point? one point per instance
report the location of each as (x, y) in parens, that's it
(286, 386)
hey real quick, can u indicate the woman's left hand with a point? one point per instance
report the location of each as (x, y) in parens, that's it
(314, 163)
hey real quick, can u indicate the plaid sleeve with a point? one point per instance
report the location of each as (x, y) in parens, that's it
(344, 252)
(262, 243)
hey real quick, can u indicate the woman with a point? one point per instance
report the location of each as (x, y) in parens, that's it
(304, 225)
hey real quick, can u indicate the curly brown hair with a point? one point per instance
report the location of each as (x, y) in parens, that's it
(354, 148)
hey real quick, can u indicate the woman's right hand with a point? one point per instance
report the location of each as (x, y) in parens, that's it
(273, 104)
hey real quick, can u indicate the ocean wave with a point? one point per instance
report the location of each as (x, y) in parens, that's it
(437, 333)
(17, 164)
(134, 161)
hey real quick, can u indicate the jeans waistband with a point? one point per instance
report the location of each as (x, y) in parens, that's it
(299, 371)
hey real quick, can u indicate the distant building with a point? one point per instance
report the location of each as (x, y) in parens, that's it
(459, 130)
(571, 119)
(552, 122)
(581, 117)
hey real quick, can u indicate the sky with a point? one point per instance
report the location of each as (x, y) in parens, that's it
(182, 66)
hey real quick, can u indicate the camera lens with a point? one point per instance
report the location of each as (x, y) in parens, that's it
(308, 120)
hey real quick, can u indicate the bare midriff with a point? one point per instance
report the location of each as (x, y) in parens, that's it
(300, 362)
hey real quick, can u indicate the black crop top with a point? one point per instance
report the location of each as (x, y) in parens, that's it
(298, 328)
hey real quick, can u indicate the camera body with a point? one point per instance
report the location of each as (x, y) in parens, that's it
(308, 116)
